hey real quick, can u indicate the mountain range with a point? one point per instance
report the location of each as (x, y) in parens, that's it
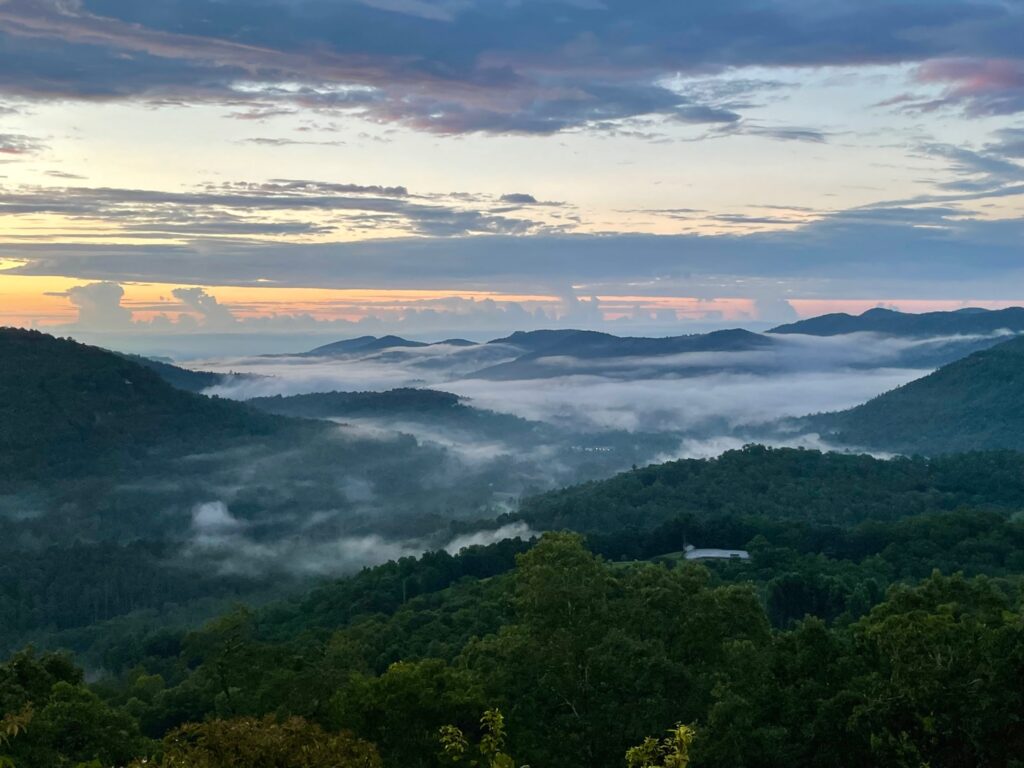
(557, 353)
(929, 340)
(967, 321)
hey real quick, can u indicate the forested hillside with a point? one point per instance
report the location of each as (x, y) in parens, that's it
(66, 408)
(786, 485)
(182, 378)
(972, 404)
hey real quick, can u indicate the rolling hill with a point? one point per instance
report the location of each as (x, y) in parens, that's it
(363, 345)
(976, 403)
(784, 485)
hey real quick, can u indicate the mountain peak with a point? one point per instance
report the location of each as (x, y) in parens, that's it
(363, 344)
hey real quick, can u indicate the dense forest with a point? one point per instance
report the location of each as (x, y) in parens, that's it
(574, 660)
(786, 485)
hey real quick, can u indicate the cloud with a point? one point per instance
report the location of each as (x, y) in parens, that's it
(99, 306)
(916, 251)
(788, 133)
(213, 314)
(272, 208)
(981, 86)
(53, 174)
(519, 199)
(219, 538)
(213, 518)
(14, 145)
(265, 141)
(1009, 143)
(980, 171)
(706, 393)
(484, 538)
(534, 67)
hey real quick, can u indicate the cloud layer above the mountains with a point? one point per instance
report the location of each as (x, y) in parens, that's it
(458, 66)
(757, 149)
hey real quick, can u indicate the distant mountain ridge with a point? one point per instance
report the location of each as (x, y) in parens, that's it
(976, 403)
(594, 350)
(970, 320)
(593, 344)
(931, 340)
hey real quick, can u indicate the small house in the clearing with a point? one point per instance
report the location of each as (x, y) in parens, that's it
(693, 553)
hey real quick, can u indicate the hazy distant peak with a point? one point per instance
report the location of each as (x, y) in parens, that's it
(969, 320)
(454, 343)
(363, 344)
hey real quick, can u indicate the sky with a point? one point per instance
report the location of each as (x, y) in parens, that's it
(469, 167)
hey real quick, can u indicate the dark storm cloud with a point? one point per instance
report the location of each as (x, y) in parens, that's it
(533, 66)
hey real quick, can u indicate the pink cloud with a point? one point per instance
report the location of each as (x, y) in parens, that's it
(982, 86)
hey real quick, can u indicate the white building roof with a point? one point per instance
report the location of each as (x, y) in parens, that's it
(717, 554)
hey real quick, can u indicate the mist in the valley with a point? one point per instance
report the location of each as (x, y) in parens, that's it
(696, 394)
(371, 487)
(221, 539)
(408, 475)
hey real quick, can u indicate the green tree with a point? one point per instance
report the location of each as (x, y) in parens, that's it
(673, 751)
(75, 727)
(402, 709)
(489, 752)
(262, 743)
(12, 725)
(943, 679)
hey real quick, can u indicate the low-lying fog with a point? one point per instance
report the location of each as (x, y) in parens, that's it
(598, 417)
(799, 375)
